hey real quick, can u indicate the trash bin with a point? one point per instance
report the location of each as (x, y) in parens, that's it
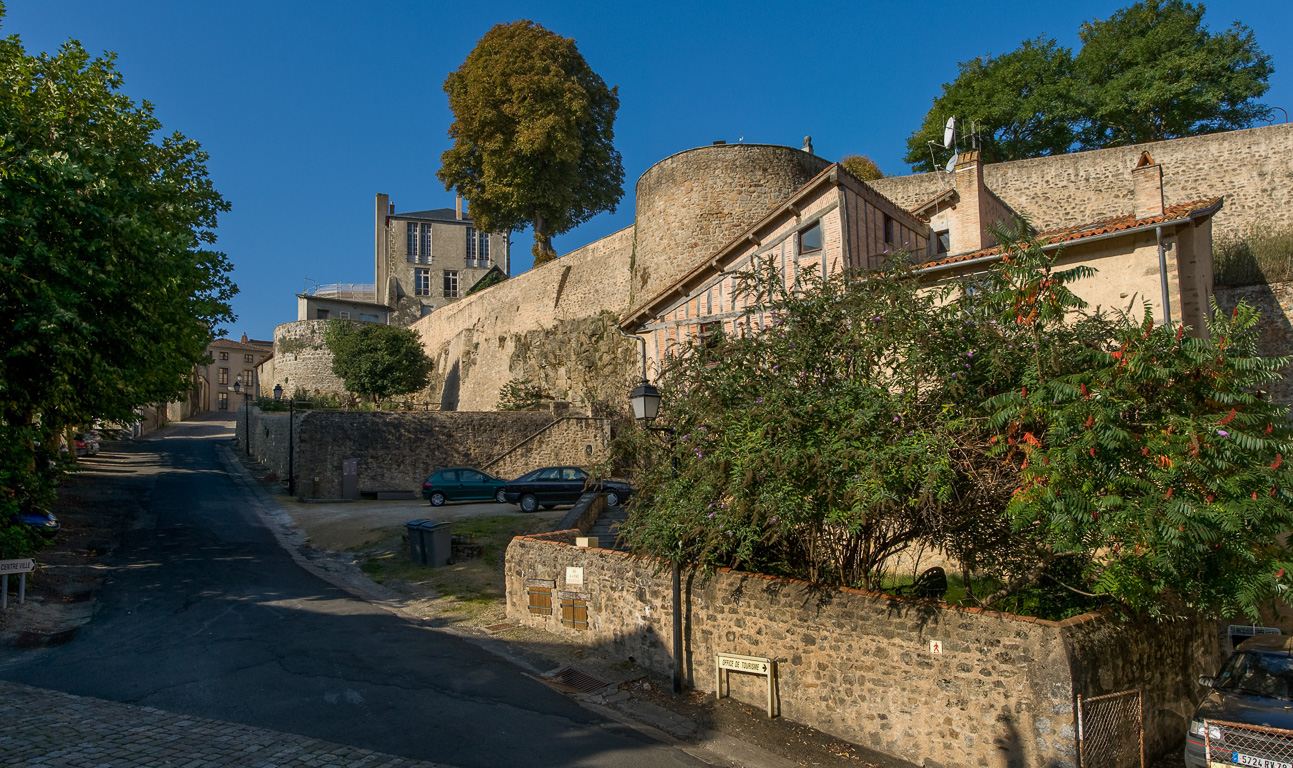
(417, 542)
(437, 543)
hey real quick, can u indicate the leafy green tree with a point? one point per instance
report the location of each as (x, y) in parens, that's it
(533, 129)
(1155, 458)
(1153, 71)
(862, 167)
(1023, 103)
(107, 281)
(376, 360)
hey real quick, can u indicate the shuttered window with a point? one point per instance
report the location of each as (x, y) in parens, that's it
(574, 613)
(540, 600)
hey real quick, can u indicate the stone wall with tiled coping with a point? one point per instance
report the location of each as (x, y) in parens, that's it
(859, 665)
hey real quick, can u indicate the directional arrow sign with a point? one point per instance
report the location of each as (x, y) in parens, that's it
(730, 662)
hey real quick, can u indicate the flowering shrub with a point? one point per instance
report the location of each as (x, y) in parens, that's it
(1047, 450)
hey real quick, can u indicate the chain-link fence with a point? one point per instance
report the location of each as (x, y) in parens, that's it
(1111, 730)
(1239, 744)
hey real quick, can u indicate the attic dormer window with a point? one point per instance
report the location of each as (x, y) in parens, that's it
(810, 239)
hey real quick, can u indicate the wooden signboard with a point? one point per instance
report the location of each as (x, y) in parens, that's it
(726, 663)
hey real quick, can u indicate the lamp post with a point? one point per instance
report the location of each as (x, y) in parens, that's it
(291, 427)
(246, 406)
(646, 406)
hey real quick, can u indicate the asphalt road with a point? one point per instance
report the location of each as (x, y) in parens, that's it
(204, 614)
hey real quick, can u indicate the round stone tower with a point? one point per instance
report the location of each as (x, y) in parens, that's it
(692, 203)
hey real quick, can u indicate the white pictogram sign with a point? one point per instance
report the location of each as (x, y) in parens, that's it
(935, 646)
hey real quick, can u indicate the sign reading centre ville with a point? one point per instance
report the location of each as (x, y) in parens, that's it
(17, 566)
(753, 665)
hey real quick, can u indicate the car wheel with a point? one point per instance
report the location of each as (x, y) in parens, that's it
(612, 499)
(500, 497)
(436, 498)
(529, 503)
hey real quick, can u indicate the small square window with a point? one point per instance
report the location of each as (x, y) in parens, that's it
(810, 239)
(942, 242)
(224, 355)
(345, 315)
(540, 600)
(709, 333)
(246, 358)
(320, 314)
(574, 613)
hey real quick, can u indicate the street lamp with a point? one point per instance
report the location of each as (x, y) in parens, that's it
(291, 427)
(246, 406)
(646, 407)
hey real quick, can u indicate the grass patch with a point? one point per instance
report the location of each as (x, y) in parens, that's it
(1261, 255)
(474, 584)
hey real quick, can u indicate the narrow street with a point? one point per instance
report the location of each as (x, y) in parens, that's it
(203, 614)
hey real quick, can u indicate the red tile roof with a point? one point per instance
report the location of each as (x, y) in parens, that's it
(1102, 227)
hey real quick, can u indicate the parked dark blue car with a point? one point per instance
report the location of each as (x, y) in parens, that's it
(551, 486)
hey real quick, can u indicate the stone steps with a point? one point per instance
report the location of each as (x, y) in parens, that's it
(607, 524)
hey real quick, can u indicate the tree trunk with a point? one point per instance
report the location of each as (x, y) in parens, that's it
(1022, 581)
(543, 251)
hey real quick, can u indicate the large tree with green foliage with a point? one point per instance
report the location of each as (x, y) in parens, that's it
(533, 129)
(108, 284)
(1065, 459)
(377, 361)
(1151, 71)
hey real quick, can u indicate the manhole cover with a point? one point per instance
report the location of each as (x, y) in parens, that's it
(571, 680)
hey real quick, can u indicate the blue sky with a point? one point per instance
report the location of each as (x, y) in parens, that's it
(310, 108)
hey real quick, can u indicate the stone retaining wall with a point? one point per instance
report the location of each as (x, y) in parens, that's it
(1275, 302)
(860, 666)
(572, 440)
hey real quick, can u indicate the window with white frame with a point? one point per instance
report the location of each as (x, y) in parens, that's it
(471, 246)
(482, 254)
(451, 283)
(411, 241)
(421, 282)
(345, 315)
(424, 256)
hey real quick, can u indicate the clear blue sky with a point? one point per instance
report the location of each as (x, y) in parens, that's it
(310, 108)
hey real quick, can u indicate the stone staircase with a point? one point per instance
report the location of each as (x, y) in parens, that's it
(606, 526)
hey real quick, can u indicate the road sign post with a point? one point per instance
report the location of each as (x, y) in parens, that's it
(20, 567)
(725, 663)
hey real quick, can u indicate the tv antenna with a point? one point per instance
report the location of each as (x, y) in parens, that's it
(952, 139)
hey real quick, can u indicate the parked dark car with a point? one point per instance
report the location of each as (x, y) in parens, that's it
(551, 486)
(43, 522)
(461, 484)
(1254, 687)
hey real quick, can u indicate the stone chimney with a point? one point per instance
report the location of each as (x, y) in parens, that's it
(457, 208)
(1147, 187)
(381, 264)
(968, 228)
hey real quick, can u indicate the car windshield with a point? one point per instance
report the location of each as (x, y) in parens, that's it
(1258, 674)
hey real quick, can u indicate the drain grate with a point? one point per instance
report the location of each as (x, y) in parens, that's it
(571, 680)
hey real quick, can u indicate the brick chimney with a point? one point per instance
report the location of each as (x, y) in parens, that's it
(1147, 187)
(968, 230)
(458, 208)
(381, 264)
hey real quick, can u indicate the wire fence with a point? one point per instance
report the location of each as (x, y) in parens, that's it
(1238, 744)
(1111, 730)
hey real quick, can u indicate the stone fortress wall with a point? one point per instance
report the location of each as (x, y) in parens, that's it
(555, 325)
(301, 362)
(1253, 168)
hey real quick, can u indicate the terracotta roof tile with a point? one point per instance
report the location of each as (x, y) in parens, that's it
(1081, 231)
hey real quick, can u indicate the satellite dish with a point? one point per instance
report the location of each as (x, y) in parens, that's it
(951, 162)
(949, 133)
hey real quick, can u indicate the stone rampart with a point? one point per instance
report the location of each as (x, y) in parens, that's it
(1000, 692)
(1275, 329)
(1253, 168)
(398, 450)
(301, 363)
(587, 440)
(692, 203)
(553, 326)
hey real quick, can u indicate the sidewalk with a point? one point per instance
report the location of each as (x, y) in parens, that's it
(48, 728)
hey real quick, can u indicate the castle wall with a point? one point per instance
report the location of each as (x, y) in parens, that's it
(692, 203)
(1251, 168)
(301, 362)
(553, 325)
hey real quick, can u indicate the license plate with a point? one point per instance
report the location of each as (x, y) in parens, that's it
(1258, 762)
